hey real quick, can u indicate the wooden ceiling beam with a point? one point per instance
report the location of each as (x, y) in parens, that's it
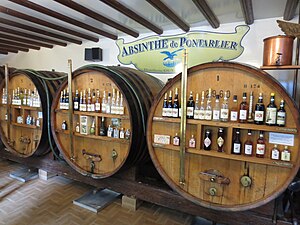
(39, 31)
(49, 12)
(31, 36)
(247, 9)
(13, 43)
(207, 12)
(165, 10)
(32, 19)
(290, 9)
(79, 8)
(26, 41)
(14, 47)
(8, 50)
(3, 52)
(133, 15)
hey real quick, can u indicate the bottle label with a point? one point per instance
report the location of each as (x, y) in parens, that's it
(89, 107)
(216, 114)
(236, 148)
(169, 112)
(286, 156)
(196, 114)
(192, 143)
(122, 134)
(77, 129)
(24, 101)
(275, 154)
(175, 112)
(82, 107)
(248, 149)
(234, 116)
(179, 112)
(208, 114)
(224, 114)
(271, 116)
(121, 110)
(109, 133)
(259, 116)
(103, 109)
(190, 111)
(220, 141)
(76, 105)
(92, 107)
(281, 118)
(207, 142)
(176, 141)
(164, 112)
(243, 114)
(201, 114)
(260, 149)
(97, 107)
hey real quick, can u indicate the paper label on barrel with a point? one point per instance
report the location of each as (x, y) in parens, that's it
(162, 139)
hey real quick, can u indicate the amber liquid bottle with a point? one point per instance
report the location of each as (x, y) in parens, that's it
(260, 146)
(244, 107)
(220, 140)
(237, 144)
(248, 145)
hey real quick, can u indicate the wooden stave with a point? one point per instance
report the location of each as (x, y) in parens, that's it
(231, 65)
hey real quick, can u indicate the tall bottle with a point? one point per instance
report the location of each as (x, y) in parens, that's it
(190, 107)
(236, 144)
(281, 115)
(250, 118)
(216, 109)
(271, 111)
(286, 154)
(259, 110)
(197, 108)
(175, 112)
(170, 105)
(234, 110)
(93, 128)
(202, 108)
(165, 105)
(104, 101)
(248, 145)
(108, 103)
(208, 110)
(83, 104)
(243, 113)
(121, 106)
(275, 153)
(224, 109)
(102, 130)
(97, 101)
(220, 140)
(260, 146)
(89, 101)
(76, 101)
(113, 103)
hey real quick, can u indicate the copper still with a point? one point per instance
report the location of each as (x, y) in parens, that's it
(278, 50)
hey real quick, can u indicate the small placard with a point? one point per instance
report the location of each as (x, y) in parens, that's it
(162, 139)
(281, 139)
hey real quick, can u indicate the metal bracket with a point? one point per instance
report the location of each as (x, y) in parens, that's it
(214, 176)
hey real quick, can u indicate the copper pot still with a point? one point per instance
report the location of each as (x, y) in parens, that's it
(278, 50)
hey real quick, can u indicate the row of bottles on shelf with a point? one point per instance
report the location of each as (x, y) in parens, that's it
(30, 120)
(243, 112)
(110, 131)
(22, 97)
(239, 148)
(90, 100)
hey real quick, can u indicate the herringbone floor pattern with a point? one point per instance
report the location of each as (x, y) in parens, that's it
(40, 202)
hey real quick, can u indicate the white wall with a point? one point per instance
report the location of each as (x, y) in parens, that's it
(56, 58)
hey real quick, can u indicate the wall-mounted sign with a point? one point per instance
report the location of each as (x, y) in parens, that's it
(161, 54)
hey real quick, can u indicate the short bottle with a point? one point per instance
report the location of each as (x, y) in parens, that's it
(64, 125)
(207, 140)
(281, 115)
(110, 131)
(122, 133)
(220, 140)
(243, 112)
(271, 111)
(236, 144)
(275, 153)
(234, 110)
(260, 146)
(176, 140)
(192, 142)
(216, 109)
(190, 107)
(248, 145)
(77, 127)
(259, 111)
(286, 154)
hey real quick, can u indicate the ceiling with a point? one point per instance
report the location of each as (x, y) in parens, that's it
(36, 24)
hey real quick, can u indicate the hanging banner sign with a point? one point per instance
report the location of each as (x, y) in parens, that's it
(161, 54)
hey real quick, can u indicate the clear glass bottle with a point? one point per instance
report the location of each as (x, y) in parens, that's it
(216, 109)
(77, 127)
(286, 154)
(127, 134)
(192, 142)
(275, 153)
(108, 103)
(197, 108)
(113, 102)
(208, 110)
(202, 107)
(97, 101)
(109, 131)
(104, 101)
(234, 110)
(224, 109)
(176, 140)
(122, 133)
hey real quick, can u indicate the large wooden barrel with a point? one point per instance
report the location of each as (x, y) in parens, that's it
(222, 180)
(102, 156)
(24, 129)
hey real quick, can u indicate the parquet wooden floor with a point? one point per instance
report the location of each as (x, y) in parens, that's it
(40, 202)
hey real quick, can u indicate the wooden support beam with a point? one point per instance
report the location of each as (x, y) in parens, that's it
(3, 52)
(90, 13)
(8, 50)
(13, 43)
(39, 31)
(247, 9)
(133, 15)
(207, 12)
(32, 19)
(31, 36)
(13, 47)
(23, 40)
(165, 10)
(49, 12)
(290, 9)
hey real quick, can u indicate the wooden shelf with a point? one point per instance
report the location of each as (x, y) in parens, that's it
(106, 115)
(104, 138)
(25, 125)
(288, 67)
(223, 155)
(22, 107)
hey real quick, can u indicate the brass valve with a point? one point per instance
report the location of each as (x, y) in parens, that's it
(246, 181)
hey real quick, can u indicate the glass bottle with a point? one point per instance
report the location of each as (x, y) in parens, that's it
(192, 142)
(127, 134)
(234, 110)
(224, 109)
(108, 103)
(116, 133)
(259, 111)
(176, 140)
(93, 128)
(93, 100)
(190, 107)
(165, 105)
(175, 111)
(248, 145)
(89, 101)
(207, 140)
(121, 107)
(83, 104)
(271, 111)
(216, 109)
(275, 153)
(102, 130)
(197, 108)
(250, 109)
(220, 139)
(104, 101)
(24, 102)
(64, 125)
(77, 127)
(97, 101)
(243, 113)
(109, 131)
(286, 154)
(118, 108)
(260, 146)
(29, 100)
(122, 133)
(202, 108)
(236, 145)
(170, 105)
(281, 115)
(76, 101)
(113, 102)
(208, 110)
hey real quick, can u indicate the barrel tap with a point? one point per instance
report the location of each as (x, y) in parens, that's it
(25, 140)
